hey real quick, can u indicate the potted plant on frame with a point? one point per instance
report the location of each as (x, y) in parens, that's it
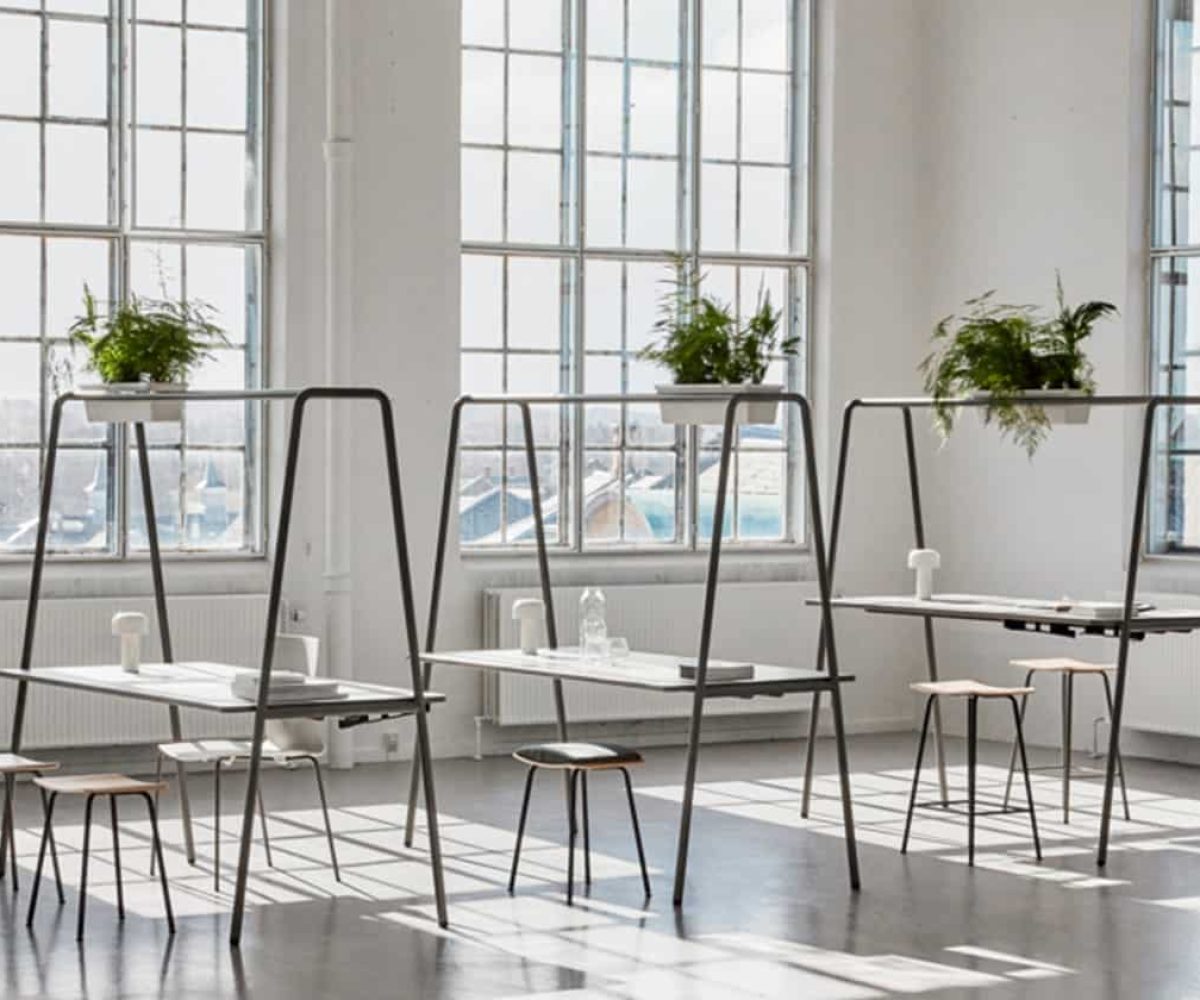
(141, 347)
(1001, 352)
(709, 352)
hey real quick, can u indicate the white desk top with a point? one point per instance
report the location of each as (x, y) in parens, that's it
(1011, 610)
(648, 671)
(206, 686)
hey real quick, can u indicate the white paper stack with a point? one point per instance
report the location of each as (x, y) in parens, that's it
(718, 670)
(286, 685)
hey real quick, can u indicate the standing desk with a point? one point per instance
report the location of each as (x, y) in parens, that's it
(186, 684)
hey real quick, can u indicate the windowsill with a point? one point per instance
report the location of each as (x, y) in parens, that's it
(1170, 572)
(108, 577)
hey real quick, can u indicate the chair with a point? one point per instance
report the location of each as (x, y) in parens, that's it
(288, 742)
(577, 759)
(11, 766)
(973, 691)
(1068, 669)
(113, 787)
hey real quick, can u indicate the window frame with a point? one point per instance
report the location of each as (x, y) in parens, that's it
(121, 232)
(573, 252)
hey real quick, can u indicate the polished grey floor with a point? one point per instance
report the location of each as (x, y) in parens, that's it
(768, 912)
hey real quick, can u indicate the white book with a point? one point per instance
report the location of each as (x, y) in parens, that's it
(246, 686)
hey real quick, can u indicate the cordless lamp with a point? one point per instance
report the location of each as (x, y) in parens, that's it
(924, 561)
(529, 613)
(130, 626)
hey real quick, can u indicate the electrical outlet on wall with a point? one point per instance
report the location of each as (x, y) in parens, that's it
(391, 743)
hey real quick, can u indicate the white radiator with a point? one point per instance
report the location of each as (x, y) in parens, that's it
(72, 631)
(764, 622)
(1163, 692)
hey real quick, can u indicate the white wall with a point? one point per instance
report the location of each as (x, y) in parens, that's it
(1033, 160)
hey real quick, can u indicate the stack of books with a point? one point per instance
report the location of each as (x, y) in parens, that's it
(286, 685)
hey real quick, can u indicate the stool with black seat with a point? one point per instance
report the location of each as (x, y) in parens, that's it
(577, 759)
(112, 786)
(972, 691)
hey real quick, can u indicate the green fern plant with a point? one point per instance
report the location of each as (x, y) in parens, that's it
(700, 340)
(145, 339)
(1005, 351)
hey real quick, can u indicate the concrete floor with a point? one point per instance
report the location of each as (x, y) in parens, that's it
(768, 912)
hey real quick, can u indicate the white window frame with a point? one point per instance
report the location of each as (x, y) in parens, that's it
(574, 253)
(122, 231)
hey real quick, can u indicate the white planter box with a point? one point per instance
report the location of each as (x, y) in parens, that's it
(1074, 414)
(141, 406)
(712, 411)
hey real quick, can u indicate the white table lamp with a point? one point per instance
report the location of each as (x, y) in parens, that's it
(130, 626)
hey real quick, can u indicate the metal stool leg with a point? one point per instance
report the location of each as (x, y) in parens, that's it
(87, 843)
(912, 797)
(587, 835)
(217, 827)
(262, 819)
(512, 875)
(1037, 844)
(1068, 697)
(37, 877)
(972, 736)
(112, 810)
(572, 828)
(158, 761)
(1120, 760)
(10, 788)
(162, 868)
(325, 812)
(58, 882)
(1012, 759)
(637, 832)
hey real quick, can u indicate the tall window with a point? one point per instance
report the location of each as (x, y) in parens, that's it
(132, 163)
(601, 139)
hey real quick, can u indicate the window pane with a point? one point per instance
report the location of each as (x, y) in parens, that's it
(166, 487)
(760, 494)
(482, 301)
(20, 67)
(19, 167)
(482, 375)
(720, 32)
(533, 198)
(226, 279)
(230, 13)
(764, 117)
(78, 69)
(605, 106)
(216, 79)
(156, 270)
(535, 24)
(765, 34)
(483, 22)
(654, 111)
(70, 265)
(718, 125)
(652, 200)
(483, 97)
(20, 263)
(159, 10)
(216, 181)
(602, 496)
(19, 388)
(534, 303)
(19, 482)
(535, 101)
(605, 27)
(159, 179)
(718, 207)
(764, 205)
(215, 492)
(76, 174)
(603, 320)
(158, 56)
(604, 201)
(650, 497)
(654, 30)
(482, 194)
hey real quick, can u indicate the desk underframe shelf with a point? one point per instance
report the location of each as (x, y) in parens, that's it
(1132, 625)
(180, 688)
(773, 680)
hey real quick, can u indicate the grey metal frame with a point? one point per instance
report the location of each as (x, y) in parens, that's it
(9, 831)
(824, 582)
(1123, 630)
(300, 398)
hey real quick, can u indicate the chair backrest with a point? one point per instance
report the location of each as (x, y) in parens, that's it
(300, 653)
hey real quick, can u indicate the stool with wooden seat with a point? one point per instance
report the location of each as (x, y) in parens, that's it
(1068, 669)
(577, 759)
(11, 767)
(972, 691)
(112, 786)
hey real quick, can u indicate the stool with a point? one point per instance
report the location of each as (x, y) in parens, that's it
(577, 759)
(972, 691)
(92, 785)
(12, 765)
(1067, 668)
